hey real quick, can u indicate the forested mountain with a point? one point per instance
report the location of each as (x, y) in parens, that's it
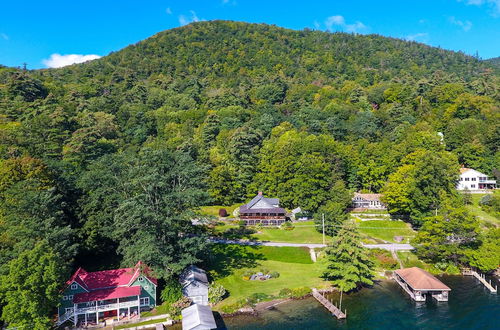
(93, 155)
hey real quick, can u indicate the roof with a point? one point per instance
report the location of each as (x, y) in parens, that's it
(244, 209)
(464, 169)
(266, 202)
(110, 278)
(419, 279)
(370, 197)
(193, 274)
(104, 294)
(198, 316)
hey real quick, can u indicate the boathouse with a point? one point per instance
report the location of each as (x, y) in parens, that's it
(195, 285)
(418, 284)
(198, 317)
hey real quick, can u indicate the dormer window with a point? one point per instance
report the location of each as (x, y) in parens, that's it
(74, 286)
(141, 279)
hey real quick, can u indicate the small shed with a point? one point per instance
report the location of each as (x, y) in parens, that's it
(418, 284)
(195, 284)
(198, 317)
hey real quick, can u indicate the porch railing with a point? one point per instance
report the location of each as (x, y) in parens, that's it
(106, 307)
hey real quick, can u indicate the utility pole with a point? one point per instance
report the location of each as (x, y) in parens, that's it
(323, 229)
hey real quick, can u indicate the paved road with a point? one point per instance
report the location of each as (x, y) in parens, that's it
(390, 247)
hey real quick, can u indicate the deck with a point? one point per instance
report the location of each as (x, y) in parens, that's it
(481, 279)
(328, 305)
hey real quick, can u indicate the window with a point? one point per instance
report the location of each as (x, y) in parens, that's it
(461, 179)
(74, 286)
(70, 297)
(141, 279)
(144, 301)
(466, 179)
(473, 186)
(473, 179)
(68, 310)
(65, 297)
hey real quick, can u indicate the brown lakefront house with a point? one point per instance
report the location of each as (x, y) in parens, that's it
(262, 210)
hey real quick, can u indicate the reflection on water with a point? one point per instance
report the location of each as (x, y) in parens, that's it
(386, 306)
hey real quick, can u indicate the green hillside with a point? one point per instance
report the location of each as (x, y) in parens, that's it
(106, 162)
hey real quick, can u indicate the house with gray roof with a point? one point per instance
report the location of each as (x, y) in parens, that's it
(263, 210)
(195, 284)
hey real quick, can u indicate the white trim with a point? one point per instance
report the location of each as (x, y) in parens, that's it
(74, 286)
(144, 301)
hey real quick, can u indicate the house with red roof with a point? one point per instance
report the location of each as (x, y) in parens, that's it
(90, 297)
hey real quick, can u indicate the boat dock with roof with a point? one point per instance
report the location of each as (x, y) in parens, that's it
(418, 284)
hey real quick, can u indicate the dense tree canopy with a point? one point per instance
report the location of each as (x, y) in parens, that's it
(113, 155)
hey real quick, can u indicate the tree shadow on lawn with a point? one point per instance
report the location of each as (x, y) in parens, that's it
(224, 259)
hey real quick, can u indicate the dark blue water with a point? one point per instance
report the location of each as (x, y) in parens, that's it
(386, 306)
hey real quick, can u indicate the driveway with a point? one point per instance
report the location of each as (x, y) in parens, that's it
(390, 247)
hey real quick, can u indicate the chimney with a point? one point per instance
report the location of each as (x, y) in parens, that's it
(260, 193)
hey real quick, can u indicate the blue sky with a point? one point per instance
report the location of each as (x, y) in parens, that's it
(36, 32)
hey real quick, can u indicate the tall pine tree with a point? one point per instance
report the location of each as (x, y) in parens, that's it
(348, 263)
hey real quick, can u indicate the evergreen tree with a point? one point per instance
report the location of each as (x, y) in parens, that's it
(348, 264)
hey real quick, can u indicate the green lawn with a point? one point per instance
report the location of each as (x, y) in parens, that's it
(476, 209)
(213, 210)
(294, 265)
(386, 229)
(304, 232)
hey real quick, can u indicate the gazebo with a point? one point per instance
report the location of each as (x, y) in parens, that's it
(418, 284)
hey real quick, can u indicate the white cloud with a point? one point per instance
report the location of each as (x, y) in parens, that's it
(316, 25)
(4, 36)
(183, 20)
(58, 61)
(465, 25)
(422, 21)
(168, 11)
(339, 21)
(493, 4)
(417, 36)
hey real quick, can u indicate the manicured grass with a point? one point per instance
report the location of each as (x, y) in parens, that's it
(304, 232)
(485, 217)
(213, 210)
(386, 229)
(230, 262)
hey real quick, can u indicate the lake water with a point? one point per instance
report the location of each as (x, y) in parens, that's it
(386, 306)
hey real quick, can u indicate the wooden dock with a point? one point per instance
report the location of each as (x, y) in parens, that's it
(328, 305)
(481, 279)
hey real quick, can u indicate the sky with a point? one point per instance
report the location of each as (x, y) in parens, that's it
(57, 33)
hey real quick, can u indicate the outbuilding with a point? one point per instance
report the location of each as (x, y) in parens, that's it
(418, 284)
(198, 317)
(195, 284)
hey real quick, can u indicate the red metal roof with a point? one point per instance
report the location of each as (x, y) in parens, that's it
(105, 294)
(110, 278)
(419, 279)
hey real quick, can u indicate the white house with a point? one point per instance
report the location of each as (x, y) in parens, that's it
(367, 201)
(474, 180)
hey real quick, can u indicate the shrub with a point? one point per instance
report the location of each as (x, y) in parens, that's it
(231, 308)
(275, 274)
(223, 213)
(486, 200)
(242, 223)
(287, 226)
(285, 293)
(172, 292)
(216, 293)
(300, 292)
(248, 273)
(257, 297)
(179, 305)
(264, 271)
